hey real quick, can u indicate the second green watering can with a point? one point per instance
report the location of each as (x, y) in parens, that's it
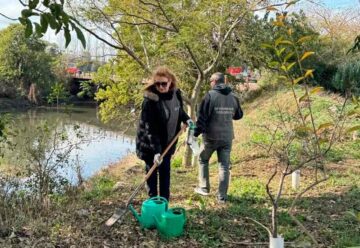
(171, 223)
(153, 207)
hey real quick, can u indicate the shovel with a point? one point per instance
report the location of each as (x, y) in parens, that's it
(119, 213)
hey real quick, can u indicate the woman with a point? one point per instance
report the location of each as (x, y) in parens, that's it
(161, 116)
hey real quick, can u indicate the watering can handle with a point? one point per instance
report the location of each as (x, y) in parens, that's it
(163, 199)
(155, 165)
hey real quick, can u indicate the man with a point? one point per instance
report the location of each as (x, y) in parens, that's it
(217, 110)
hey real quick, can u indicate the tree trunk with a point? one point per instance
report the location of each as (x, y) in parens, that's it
(32, 93)
(188, 153)
(274, 220)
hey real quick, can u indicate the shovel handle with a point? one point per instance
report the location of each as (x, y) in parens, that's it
(155, 165)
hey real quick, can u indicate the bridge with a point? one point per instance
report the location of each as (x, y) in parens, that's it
(81, 76)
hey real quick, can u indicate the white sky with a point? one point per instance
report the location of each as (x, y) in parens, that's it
(12, 8)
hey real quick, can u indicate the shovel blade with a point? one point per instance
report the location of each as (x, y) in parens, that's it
(117, 215)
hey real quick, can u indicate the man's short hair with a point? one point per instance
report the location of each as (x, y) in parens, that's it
(218, 77)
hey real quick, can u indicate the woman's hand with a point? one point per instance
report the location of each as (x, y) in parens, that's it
(157, 159)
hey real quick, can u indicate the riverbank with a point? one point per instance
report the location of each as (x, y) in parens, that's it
(77, 218)
(78, 221)
(7, 104)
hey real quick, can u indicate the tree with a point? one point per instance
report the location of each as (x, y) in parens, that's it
(23, 61)
(337, 29)
(151, 33)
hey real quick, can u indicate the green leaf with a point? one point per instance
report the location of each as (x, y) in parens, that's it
(303, 98)
(309, 73)
(28, 28)
(58, 29)
(353, 129)
(286, 42)
(278, 40)
(281, 51)
(52, 21)
(306, 54)
(278, 23)
(265, 45)
(353, 112)
(80, 36)
(46, 3)
(290, 66)
(44, 23)
(355, 100)
(296, 81)
(288, 56)
(26, 13)
(22, 20)
(316, 90)
(57, 9)
(65, 18)
(67, 37)
(323, 140)
(273, 64)
(303, 39)
(38, 30)
(325, 125)
(303, 131)
(33, 4)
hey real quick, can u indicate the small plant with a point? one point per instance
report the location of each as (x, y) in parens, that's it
(297, 138)
(86, 90)
(47, 153)
(58, 93)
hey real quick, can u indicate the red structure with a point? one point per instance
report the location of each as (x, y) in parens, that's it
(73, 70)
(234, 70)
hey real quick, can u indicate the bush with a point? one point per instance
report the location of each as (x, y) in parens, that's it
(347, 77)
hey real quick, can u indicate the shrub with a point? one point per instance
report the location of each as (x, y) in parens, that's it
(347, 77)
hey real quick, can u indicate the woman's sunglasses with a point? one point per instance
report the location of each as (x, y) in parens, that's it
(162, 84)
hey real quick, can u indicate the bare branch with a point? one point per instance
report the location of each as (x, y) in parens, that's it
(262, 225)
(268, 185)
(193, 58)
(9, 18)
(290, 211)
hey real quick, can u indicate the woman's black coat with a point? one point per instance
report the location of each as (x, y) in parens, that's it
(152, 134)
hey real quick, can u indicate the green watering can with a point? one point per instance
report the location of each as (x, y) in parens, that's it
(154, 206)
(171, 223)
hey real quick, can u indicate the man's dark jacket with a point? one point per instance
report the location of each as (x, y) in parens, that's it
(217, 110)
(152, 137)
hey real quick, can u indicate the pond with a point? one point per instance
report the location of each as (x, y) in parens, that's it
(99, 146)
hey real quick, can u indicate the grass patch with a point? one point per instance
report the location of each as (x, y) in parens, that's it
(101, 187)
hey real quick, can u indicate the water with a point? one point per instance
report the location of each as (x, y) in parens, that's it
(99, 146)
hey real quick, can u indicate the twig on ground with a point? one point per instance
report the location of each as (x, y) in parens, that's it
(262, 225)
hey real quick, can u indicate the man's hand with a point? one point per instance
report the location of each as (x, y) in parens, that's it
(190, 123)
(157, 159)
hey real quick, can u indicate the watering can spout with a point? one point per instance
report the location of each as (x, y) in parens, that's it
(133, 211)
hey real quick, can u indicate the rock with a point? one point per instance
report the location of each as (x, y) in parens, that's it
(82, 212)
